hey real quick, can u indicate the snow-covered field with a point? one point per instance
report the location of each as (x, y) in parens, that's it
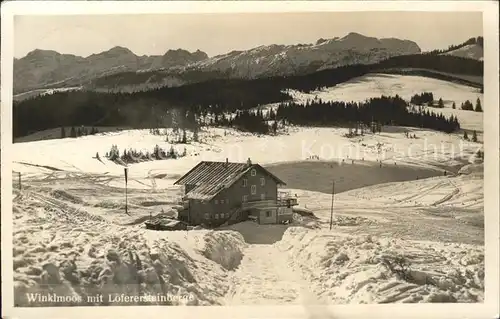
(413, 241)
(71, 232)
(346, 269)
(76, 155)
(471, 51)
(375, 85)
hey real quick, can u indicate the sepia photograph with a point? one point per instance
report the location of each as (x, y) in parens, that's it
(228, 157)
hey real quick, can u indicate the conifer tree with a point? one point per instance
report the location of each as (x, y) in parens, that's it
(72, 132)
(478, 106)
(440, 103)
(474, 136)
(63, 132)
(275, 127)
(195, 134)
(171, 152)
(466, 136)
(184, 136)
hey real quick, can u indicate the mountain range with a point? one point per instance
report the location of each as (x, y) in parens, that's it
(119, 69)
(47, 68)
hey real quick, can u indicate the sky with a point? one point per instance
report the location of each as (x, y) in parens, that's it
(215, 34)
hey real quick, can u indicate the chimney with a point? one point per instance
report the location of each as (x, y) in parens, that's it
(249, 162)
(227, 161)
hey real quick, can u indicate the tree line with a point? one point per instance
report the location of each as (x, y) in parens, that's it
(136, 156)
(79, 131)
(423, 98)
(385, 110)
(370, 115)
(468, 106)
(479, 41)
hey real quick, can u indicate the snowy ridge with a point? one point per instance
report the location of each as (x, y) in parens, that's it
(275, 59)
(471, 51)
(374, 85)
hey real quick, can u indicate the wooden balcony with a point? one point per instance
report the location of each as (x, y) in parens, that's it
(260, 204)
(263, 204)
(286, 199)
(289, 202)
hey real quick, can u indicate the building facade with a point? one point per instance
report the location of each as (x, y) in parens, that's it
(218, 193)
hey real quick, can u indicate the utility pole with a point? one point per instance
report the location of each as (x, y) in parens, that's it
(126, 194)
(331, 212)
(20, 185)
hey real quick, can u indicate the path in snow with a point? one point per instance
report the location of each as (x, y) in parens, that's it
(265, 277)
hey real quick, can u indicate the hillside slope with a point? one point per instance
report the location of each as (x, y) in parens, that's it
(42, 68)
(471, 51)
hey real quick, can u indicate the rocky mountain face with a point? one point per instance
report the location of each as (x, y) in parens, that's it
(42, 69)
(46, 68)
(272, 60)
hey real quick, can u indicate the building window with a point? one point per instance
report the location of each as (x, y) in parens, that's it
(206, 216)
(245, 182)
(216, 202)
(253, 189)
(245, 198)
(262, 181)
(253, 172)
(262, 196)
(222, 201)
(216, 216)
(268, 214)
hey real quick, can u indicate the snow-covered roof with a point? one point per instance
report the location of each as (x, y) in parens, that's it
(210, 178)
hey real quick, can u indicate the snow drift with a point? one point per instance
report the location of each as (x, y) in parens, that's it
(79, 257)
(364, 269)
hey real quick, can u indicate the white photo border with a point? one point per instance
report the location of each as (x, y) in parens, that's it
(488, 309)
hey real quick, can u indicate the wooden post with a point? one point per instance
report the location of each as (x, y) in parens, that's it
(126, 193)
(20, 185)
(189, 212)
(331, 212)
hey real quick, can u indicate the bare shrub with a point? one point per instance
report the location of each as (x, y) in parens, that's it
(398, 265)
